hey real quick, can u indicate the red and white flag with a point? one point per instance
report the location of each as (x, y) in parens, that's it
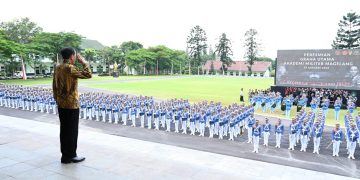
(23, 70)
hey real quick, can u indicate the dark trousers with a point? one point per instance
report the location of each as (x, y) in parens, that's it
(69, 126)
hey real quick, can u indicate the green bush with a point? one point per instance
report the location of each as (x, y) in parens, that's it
(272, 73)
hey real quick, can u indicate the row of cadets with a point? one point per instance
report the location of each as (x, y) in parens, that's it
(352, 135)
(347, 118)
(301, 115)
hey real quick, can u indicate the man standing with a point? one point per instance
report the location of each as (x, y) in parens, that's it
(65, 84)
(317, 132)
(279, 131)
(241, 95)
(288, 105)
(336, 136)
(256, 135)
(266, 131)
(292, 134)
(251, 122)
(337, 106)
(353, 136)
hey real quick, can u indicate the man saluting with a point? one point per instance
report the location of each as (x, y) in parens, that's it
(65, 89)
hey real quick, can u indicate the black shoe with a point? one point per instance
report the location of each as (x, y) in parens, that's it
(76, 159)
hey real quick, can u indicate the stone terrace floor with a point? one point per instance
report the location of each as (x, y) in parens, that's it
(30, 150)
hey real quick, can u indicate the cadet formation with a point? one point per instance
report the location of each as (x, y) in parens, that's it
(220, 121)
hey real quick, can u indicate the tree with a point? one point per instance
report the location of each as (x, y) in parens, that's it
(162, 54)
(178, 60)
(50, 44)
(141, 58)
(211, 54)
(128, 46)
(252, 47)
(8, 48)
(223, 50)
(196, 45)
(21, 31)
(90, 54)
(348, 34)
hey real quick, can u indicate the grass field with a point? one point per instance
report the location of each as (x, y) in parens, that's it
(222, 89)
(193, 88)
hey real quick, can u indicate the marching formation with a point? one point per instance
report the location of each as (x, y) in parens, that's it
(180, 116)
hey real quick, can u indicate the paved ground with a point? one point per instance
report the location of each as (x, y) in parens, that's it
(30, 150)
(238, 148)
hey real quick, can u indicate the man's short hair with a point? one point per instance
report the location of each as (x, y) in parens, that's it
(67, 52)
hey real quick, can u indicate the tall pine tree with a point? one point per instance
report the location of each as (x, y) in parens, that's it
(223, 50)
(252, 48)
(196, 45)
(348, 33)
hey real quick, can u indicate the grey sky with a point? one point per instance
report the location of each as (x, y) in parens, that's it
(282, 24)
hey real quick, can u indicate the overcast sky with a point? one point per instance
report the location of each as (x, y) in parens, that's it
(282, 24)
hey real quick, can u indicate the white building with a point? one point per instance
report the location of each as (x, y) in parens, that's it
(239, 68)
